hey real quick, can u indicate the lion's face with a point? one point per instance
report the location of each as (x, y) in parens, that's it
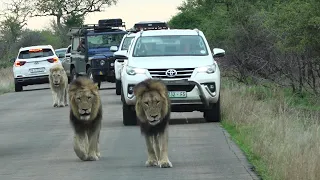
(152, 104)
(56, 78)
(84, 98)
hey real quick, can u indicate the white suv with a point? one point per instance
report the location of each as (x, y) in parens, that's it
(183, 60)
(118, 64)
(32, 65)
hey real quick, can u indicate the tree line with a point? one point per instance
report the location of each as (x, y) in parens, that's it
(66, 13)
(276, 41)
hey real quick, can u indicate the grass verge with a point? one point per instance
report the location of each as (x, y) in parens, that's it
(279, 139)
(6, 80)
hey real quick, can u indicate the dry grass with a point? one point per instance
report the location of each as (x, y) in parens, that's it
(285, 140)
(6, 80)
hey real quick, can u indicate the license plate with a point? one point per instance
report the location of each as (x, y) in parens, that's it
(36, 70)
(177, 94)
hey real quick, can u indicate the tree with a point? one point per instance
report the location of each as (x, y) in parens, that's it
(62, 9)
(15, 17)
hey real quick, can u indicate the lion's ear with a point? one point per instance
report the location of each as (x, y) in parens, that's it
(139, 89)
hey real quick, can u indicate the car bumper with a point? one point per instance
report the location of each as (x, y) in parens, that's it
(102, 72)
(203, 90)
(32, 80)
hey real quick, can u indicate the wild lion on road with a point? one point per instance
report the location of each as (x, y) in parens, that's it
(153, 109)
(58, 81)
(85, 118)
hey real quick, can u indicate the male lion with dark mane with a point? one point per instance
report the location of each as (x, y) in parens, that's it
(85, 118)
(58, 81)
(153, 109)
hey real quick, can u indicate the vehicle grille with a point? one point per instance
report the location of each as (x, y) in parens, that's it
(187, 88)
(182, 73)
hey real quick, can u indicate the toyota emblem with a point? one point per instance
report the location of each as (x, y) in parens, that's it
(171, 72)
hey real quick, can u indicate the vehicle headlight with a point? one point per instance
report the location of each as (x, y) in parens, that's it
(133, 71)
(102, 62)
(208, 69)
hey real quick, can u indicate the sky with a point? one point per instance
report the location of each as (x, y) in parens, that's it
(130, 11)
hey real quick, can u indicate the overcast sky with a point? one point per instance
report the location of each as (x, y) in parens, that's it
(130, 11)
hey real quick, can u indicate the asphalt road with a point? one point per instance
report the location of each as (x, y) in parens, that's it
(36, 144)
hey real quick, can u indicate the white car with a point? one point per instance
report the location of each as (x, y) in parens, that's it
(183, 60)
(126, 42)
(32, 65)
(118, 64)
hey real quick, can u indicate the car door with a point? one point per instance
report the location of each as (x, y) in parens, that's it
(67, 60)
(77, 57)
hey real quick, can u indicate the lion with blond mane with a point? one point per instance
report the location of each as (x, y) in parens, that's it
(58, 81)
(85, 118)
(153, 109)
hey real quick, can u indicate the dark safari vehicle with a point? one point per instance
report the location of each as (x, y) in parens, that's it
(92, 48)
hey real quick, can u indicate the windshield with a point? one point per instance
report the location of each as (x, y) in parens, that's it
(104, 40)
(175, 45)
(126, 43)
(35, 53)
(60, 53)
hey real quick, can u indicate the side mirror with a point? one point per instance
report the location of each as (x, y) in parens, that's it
(217, 52)
(113, 48)
(12, 60)
(120, 55)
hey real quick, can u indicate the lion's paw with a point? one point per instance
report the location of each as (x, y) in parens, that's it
(151, 162)
(55, 105)
(165, 164)
(98, 154)
(92, 158)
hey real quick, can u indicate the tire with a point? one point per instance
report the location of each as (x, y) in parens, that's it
(118, 87)
(111, 79)
(214, 113)
(18, 87)
(122, 96)
(129, 115)
(93, 78)
(73, 75)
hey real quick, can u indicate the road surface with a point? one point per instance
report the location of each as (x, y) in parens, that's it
(36, 144)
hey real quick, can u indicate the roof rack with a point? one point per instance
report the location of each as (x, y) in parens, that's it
(150, 25)
(104, 25)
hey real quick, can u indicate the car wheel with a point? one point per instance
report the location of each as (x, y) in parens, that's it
(93, 78)
(129, 115)
(214, 113)
(118, 87)
(122, 96)
(111, 79)
(73, 74)
(18, 87)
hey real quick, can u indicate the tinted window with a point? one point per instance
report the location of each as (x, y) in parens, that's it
(104, 40)
(126, 43)
(35, 53)
(59, 52)
(175, 45)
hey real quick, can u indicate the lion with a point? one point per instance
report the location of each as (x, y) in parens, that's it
(58, 81)
(85, 118)
(153, 108)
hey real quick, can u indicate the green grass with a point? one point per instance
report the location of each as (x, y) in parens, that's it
(276, 129)
(6, 80)
(240, 140)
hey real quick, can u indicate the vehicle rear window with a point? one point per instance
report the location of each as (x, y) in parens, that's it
(35, 53)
